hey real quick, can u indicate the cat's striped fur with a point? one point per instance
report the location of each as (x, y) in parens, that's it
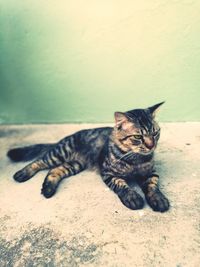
(122, 153)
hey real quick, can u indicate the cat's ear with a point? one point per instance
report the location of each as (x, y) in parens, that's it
(120, 118)
(153, 110)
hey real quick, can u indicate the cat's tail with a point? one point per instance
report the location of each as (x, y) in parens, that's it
(28, 152)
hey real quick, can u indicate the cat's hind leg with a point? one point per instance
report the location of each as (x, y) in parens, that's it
(56, 175)
(51, 159)
(30, 170)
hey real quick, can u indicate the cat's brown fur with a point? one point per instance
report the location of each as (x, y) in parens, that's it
(122, 153)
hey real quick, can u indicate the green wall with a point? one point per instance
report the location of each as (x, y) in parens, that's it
(81, 60)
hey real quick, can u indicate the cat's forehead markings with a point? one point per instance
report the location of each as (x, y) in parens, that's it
(134, 129)
(143, 131)
(130, 127)
(143, 128)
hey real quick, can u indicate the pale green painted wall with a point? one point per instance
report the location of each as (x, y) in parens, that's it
(81, 60)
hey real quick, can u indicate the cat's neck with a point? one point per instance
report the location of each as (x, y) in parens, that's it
(128, 156)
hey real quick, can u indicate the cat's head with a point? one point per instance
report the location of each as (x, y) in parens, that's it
(136, 130)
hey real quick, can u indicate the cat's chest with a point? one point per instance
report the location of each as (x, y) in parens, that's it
(133, 169)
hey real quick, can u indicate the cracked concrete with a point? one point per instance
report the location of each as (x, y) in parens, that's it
(85, 224)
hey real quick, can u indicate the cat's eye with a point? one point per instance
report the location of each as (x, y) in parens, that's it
(137, 136)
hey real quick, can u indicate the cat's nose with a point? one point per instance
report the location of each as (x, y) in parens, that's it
(149, 142)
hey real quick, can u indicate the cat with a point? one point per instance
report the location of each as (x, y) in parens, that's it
(121, 153)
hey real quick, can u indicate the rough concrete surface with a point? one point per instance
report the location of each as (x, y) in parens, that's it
(85, 224)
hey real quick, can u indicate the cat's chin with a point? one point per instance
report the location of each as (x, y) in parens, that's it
(146, 152)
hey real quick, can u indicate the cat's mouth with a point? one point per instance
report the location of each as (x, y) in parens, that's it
(146, 151)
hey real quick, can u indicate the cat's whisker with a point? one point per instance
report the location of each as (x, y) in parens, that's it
(129, 156)
(125, 155)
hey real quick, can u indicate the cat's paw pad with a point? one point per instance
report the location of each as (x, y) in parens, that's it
(158, 202)
(21, 176)
(131, 199)
(48, 189)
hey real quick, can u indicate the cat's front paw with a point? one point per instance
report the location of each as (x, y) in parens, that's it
(48, 189)
(157, 201)
(21, 176)
(131, 199)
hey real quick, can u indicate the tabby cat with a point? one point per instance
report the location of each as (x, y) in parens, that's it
(121, 154)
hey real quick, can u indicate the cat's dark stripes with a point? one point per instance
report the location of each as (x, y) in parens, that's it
(122, 153)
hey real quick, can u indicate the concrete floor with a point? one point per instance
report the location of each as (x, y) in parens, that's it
(85, 224)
